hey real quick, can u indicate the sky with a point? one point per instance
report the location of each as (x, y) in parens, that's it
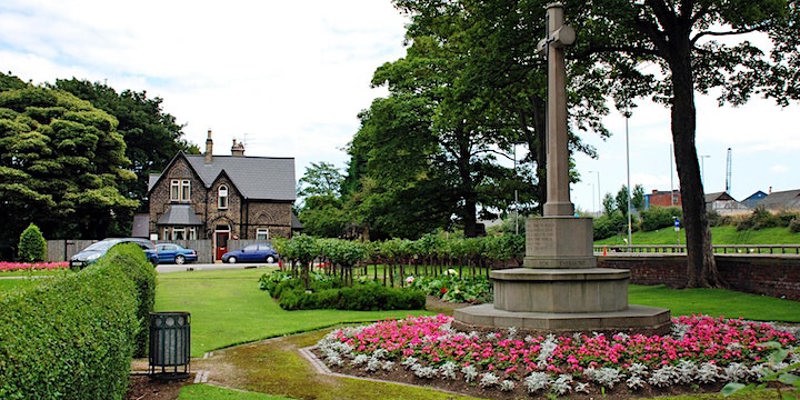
(289, 79)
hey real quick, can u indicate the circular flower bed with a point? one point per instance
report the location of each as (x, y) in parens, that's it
(700, 351)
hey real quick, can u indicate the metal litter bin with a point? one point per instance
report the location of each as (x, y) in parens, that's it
(170, 338)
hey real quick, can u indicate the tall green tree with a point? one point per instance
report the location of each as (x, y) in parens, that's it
(152, 136)
(697, 46)
(61, 165)
(321, 179)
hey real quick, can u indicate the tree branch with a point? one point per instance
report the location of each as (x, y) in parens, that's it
(727, 33)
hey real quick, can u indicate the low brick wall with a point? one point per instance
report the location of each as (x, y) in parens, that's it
(770, 275)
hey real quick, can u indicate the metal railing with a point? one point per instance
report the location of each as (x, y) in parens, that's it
(718, 249)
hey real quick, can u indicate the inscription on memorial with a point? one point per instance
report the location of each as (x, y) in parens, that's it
(542, 236)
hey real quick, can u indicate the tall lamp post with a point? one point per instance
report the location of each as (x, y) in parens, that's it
(627, 114)
(703, 168)
(599, 198)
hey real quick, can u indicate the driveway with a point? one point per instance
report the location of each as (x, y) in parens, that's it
(167, 268)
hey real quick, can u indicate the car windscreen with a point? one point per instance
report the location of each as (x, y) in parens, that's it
(100, 246)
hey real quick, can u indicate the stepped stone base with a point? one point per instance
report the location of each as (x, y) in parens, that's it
(561, 290)
(635, 319)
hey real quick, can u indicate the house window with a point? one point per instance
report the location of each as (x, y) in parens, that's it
(175, 190)
(165, 234)
(186, 188)
(178, 233)
(222, 202)
(262, 234)
(180, 190)
(192, 233)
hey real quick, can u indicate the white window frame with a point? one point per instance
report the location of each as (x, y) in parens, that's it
(165, 234)
(176, 230)
(186, 190)
(264, 232)
(175, 190)
(222, 197)
(192, 233)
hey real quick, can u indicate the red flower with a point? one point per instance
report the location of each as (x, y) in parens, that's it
(443, 290)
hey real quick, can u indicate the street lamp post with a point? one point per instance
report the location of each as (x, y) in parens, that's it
(703, 168)
(627, 114)
(599, 198)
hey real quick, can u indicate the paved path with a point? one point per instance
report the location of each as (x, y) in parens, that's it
(167, 268)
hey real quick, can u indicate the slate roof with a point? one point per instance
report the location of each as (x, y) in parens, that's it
(179, 214)
(787, 199)
(259, 178)
(718, 196)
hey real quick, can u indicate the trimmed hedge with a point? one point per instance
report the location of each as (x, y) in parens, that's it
(73, 337)
(329, 293)
(143, 275)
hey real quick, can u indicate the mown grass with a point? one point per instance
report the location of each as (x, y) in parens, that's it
(715, 302)
(228, 308)
(719, 235)
(208, 392)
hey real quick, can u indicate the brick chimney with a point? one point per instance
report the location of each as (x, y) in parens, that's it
(237, 150)
(209, 148)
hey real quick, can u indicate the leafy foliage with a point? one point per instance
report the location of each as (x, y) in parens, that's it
(659, 217)
(152, 137)
(453, 288)
(331, 293)
(62, 164)
(32, 246)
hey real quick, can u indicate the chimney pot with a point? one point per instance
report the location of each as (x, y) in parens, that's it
(209, 149)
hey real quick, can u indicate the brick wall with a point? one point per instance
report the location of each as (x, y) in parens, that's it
(770, 275)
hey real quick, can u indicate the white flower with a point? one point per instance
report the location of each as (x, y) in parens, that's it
(537, 381)
(489, 379)
(387, 365)
(470, 373)
(562, 385)
(582, 387)
(512, 332)
(507, 385)
(448, 370)
(360, 359)
(637, 369)
(686, 371)
(410, 279)
(708, 372)
(373, 364)
(408, 362)
(736, 372)
(663, 376)
(424, 372)
(635, 382)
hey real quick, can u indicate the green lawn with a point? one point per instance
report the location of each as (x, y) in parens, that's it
(207, 392)
(719, 235)
(228, 308)
(716, 302)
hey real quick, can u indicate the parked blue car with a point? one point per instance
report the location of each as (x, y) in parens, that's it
(96, 250)
(175, 253)
(259, 252)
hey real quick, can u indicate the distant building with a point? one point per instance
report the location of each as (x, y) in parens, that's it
(779, 201)
(223, 197)
(755, 198)
(662, 198)
(723, 203)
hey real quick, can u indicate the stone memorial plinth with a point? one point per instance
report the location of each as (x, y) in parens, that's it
(560, 289)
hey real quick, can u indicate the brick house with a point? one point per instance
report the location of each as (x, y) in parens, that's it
(219, 198)
(662, 198)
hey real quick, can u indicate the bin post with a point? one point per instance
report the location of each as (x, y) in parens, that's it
(170, 345)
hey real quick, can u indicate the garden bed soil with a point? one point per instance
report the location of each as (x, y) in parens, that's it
(141, 387)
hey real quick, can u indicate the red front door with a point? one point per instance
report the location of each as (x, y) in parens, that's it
(222, 244)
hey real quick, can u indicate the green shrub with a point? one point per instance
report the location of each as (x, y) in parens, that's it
(71, 337)
(32, 246)
(328, 294)
(794, 226)
(759, 219)
(143, 276)
(786, 217)
(660, 217)
(606, 225)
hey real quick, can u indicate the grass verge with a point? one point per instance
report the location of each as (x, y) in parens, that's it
(228, 308)
(208, 392)
(719, 235)
(716, 302)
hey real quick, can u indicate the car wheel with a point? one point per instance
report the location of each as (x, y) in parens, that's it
(180, 259)
(231, 260)
(270, 259)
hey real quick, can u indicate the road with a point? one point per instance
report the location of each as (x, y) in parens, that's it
(167, 268)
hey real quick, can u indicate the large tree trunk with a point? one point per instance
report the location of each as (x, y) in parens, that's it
(701, 268)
